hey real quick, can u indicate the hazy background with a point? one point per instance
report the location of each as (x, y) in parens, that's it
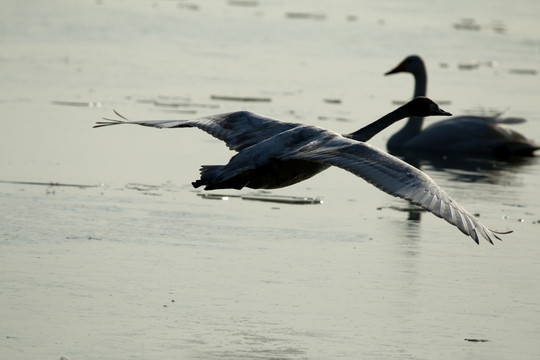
(136, 265)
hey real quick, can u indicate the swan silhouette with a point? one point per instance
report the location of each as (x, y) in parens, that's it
(274, 154)
(461, 134)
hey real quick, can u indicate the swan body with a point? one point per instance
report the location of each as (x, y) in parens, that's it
(460, 134)
(274, 154)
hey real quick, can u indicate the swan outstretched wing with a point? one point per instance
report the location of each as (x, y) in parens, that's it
(394, 177)
(238, 130)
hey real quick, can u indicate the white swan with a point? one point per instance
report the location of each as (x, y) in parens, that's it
(460, 134)
(274, 154)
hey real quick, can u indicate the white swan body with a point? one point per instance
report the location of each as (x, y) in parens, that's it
(274, 154)
(460, 134)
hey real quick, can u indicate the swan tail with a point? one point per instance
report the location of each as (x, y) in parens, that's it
(209, 173)
(516, 149)
(214, 177)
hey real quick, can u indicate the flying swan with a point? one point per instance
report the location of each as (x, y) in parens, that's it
(460, 134)
(274, 154)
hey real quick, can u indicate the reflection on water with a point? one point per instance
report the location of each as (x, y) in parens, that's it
(468, 168)
(473, 175)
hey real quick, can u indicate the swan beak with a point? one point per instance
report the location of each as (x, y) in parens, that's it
(445, 113)
(397, 69)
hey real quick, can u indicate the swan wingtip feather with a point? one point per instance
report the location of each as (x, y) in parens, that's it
(107, 121)
(120, 115)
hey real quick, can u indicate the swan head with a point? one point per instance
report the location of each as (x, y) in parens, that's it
(412, 64)
(423, 106)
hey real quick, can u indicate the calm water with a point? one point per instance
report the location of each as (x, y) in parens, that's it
(133, 264)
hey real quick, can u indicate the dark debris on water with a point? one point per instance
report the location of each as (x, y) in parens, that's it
(282, 199)
(52, 183)
(477, 340)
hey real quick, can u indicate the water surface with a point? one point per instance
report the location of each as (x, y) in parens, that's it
(133, 263)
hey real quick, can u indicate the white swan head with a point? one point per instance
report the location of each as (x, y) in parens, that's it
(412, 64)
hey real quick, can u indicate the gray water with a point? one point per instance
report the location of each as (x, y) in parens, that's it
(106, 252)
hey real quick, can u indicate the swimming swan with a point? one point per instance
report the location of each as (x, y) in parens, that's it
(460, 134)
(274, 154)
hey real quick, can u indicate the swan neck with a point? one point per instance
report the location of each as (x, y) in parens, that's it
(414, 126)
(420, 81)
(368, 131)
